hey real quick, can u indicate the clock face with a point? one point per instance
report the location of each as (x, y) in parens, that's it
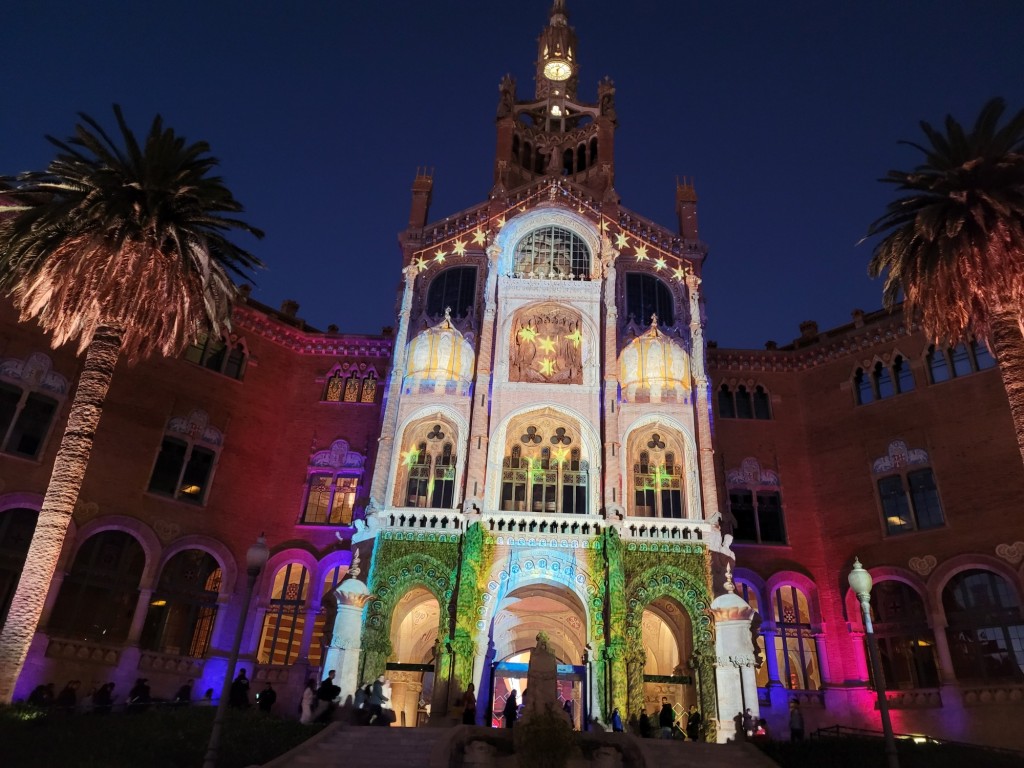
(557, 70)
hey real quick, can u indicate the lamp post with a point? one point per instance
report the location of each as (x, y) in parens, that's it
(255, 560)
(860, 583)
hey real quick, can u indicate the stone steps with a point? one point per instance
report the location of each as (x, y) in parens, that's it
(345, 746)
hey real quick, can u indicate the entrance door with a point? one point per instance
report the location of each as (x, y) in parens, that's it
(512, 673)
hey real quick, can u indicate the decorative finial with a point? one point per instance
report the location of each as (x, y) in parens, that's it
(448, 315)
(729, 586)
(654, 320)
(354, 570)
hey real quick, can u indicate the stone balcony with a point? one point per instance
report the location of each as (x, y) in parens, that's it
(631, 529)
(83, 650)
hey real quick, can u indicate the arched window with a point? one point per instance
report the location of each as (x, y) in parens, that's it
(188, 454)
(883, 381)
(762, 404)
(334, 388)
(864, 387)
(184, 605)
(905, 642)
(903, 375)
(750, 594)
(30, 396)
(454, 289)
(543, 471)
(281, 640)
(795, 651)
(222, 355)
(323, 624)
(985, 627)
(906, 489)
(956, 362)
(427, 473)
(726, 403)
(552, 253)
(646, 295)
(657, 481)
(16, 529)
(333, 477)
(355, 387)
(744, 404)
(98, 596)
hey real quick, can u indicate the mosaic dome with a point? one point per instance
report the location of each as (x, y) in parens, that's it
(653, 365)
(440, 354)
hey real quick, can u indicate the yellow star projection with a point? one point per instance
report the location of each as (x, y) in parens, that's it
(547, 366)
(527, 334)
(546, 344)
(575, 337)
(560, 454)
(478, 232)
(410, 457)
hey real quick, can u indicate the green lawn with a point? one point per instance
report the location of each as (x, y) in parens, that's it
(158, 738)
(870, 753)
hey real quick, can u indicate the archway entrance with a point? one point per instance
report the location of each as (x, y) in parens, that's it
(410, 669)
(668, 646)
(524, 613)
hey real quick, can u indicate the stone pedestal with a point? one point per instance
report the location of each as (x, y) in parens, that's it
(342, 654)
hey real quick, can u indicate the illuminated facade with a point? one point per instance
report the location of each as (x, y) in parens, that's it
(546, 442)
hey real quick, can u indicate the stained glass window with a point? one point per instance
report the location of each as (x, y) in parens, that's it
(552, 253)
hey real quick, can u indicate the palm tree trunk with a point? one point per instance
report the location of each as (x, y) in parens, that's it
(58, 506)
(1008, 347)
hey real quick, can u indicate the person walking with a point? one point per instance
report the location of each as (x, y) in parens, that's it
(308, 706)
(616, 721)
(377, 700)
(327, 694)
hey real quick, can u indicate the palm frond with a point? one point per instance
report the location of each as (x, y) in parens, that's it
(126, 234)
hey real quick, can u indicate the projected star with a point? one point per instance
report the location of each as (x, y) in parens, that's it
(641, 253)
(527, 334)
(439, 255)
(621, 241)
(459, 248)
(547, 366)
(421, 264)
(575, 337)
(546, 344)
(679, 274)
(479, 236)
(659, 264)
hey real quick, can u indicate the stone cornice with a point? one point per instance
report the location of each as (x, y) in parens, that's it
(310, 342)
(826, 348)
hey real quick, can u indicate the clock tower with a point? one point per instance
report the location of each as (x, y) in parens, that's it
(555, 133)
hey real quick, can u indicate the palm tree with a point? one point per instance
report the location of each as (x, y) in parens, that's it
(122, 249)
(954, 245)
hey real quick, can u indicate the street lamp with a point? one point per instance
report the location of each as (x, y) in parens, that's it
(860, 583)
(255, 560)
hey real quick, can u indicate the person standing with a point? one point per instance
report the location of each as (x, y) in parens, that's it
(666, 717)
(469, 706)
(138, 696)
(184, 695)
(693, 721)
(265, 699)
(239, 695)
(796, 721)
(308, 707)
(511, 711)
(748, 723)
(103, 699)
(616, 721)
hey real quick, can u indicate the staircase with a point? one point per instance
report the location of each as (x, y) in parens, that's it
(351, 746)
(345, 746)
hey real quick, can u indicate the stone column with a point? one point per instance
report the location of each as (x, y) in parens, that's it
(389, 420)
(734, 671)
(139, 618)
(823, 668)
(614, 488)
(343, 653)
(701, 399)
(479, 431)
(943, 658)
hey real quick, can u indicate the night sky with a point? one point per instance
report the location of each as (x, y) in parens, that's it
(784, 113)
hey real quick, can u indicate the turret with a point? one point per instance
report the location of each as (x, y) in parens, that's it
(422, 188)
(686, 209)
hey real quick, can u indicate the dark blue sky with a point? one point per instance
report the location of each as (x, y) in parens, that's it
(785, 113)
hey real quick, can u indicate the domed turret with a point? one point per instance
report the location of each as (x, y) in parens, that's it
(653, 367)
(439, 356)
